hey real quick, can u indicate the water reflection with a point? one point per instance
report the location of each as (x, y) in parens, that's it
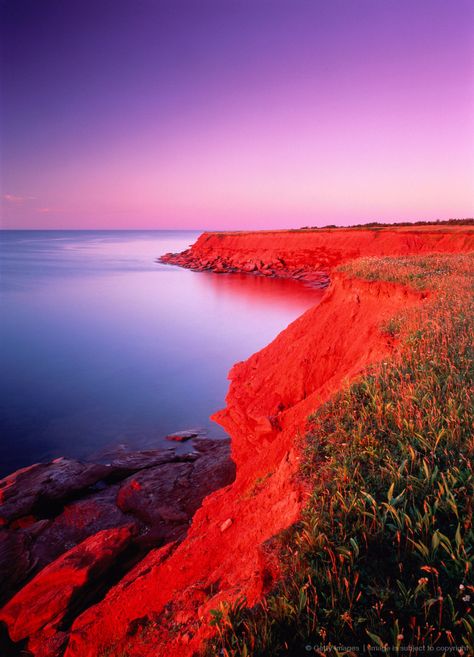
(100, 345)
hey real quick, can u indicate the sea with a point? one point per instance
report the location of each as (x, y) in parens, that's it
(103, 348)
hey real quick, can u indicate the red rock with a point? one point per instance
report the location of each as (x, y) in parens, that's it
(134, 461)
(15, 562)
(114, 598)
(38, 486)
(32, 544)
(212, 471)
(49, 643)
(226, 524)
(77, 521)
(153, 492)
(166, 497)
(319, 249)
(181, 436)
(47, 598)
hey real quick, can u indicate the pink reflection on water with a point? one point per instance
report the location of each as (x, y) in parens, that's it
(286, 294)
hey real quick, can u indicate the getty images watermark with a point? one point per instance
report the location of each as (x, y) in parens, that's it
(369, 649)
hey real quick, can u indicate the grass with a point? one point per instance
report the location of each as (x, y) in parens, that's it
(382, 559)
(377, 225)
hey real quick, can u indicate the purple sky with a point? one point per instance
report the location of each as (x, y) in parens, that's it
(235, 114)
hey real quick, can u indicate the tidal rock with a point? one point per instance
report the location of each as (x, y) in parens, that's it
(15, 562)
(128, 463)
(167, 496)
(51, 595)
(181, 436)
(153, 496)
(33, 489)
(78, 521)
(212, 471)
(95, 528)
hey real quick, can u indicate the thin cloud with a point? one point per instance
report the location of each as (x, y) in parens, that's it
(13, 198)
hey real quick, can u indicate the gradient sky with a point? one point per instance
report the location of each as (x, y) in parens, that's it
(235, 114)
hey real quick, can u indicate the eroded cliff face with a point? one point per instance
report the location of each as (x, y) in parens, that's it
(310, 255)
(227, 551)
(162, 606)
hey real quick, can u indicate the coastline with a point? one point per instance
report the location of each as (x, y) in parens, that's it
(270, 397)
(311, 255)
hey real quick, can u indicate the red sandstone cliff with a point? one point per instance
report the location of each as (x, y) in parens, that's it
(162, 606)
(310, 255)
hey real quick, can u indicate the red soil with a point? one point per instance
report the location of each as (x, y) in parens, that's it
(162, 606)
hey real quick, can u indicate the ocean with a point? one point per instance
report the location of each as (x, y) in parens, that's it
(101, 346)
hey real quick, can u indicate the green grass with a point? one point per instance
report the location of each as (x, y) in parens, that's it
(379, 225)
(383, 556)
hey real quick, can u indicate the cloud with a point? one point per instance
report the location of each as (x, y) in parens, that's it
(13, 198)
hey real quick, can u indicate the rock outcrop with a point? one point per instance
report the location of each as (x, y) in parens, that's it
(310, 255)
(39, 611)
(71, 530)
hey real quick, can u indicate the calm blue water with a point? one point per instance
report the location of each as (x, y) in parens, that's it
(101, 346)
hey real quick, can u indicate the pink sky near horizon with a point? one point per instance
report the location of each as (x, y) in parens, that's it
(239, 118)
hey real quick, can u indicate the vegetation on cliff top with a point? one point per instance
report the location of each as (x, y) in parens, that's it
(383, 557)
(380, 224)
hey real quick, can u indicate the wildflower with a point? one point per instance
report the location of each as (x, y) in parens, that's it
(461, 587)
(400, 637)
(423, 581)
(466, 598)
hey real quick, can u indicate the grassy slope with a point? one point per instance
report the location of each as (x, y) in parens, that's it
(384, 553)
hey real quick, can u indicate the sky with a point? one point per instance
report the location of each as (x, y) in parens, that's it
(235, 114)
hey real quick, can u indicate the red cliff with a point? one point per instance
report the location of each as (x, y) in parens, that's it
(162, 606)
(310, 255)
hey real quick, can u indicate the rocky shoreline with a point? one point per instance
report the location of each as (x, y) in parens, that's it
(276, 268)
(310, 256)
(69, 530)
